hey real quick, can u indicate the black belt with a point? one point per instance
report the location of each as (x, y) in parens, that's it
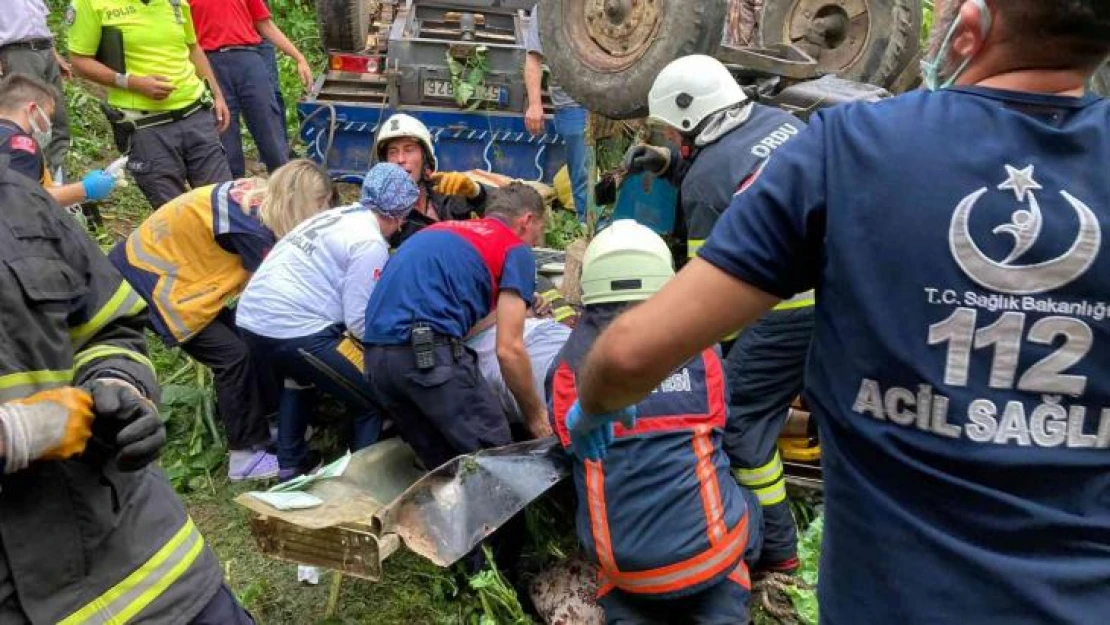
(29, 44)
(250, 48)
(166, 117)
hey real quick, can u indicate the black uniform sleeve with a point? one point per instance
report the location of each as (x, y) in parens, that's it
(106, 322)
(250, 248)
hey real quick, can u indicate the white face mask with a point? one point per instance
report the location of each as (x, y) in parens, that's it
(931, 68)
(41, 129)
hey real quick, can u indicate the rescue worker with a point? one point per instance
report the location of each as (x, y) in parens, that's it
(231, 33)
(160, 110)
(444, 196)
(433, 291)
(93, 532)
(726, 138)
(190, 258)
(658, 510)
(26, 107)
(570, 117)
(957, 372)
(304, 310)
(27, 47)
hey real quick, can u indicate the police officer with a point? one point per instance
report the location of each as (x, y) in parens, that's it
(433, 291)
(658, 510)
(93, 532)
(958, 368)
(444, 196)
(724, 139)
(27, 47)
(26, 109)
(159, 107)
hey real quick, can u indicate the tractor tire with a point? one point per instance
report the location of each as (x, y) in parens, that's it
(344, 24)
(608, 61)
(1101, 82)
(870, 41)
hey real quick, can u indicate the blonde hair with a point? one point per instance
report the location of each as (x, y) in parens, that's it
(295, 191)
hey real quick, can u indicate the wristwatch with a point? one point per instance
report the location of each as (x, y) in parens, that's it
(121, 80)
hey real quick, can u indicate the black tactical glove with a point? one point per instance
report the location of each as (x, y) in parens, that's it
(649, 158)
(126, 422)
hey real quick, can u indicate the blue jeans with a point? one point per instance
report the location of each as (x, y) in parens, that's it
(570, 122)
(333, 364)
(249, 91)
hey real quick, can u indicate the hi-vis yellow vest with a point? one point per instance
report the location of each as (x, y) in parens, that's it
(192, 256)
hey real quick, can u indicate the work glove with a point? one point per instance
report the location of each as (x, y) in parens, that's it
(127, 422)
(455, 183)
(51, 425)
(98, 185)
(643, 157)
(591, 435)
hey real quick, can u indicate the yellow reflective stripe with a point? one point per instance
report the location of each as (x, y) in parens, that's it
(693, 246)
(129, 597)
(794, 304)
(764, 474)
(125, 301)
(351, 351)
(771, 495)
(563, 313)
(107, 351)
(26, 383)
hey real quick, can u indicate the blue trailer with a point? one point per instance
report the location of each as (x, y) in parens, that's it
(406, 66)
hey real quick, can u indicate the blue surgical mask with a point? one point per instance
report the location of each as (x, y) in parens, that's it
(931, 68)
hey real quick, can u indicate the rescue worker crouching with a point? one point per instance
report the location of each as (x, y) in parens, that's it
(191, 257)
(304, 310)
(83, 512)
(26, 107)
(444, 196)
(726, 139)
(658, 509)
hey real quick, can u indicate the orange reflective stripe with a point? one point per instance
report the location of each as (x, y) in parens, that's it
(696, 570)
(599, 516)
(710, 489)
(604, 586)
(741, 576)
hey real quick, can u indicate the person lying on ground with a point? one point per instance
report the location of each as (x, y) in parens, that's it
(191, 258)
(27, 106)
(304, 310)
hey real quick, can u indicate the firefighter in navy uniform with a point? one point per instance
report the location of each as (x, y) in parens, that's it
(92, 532)
(728, 139)
(669, 528)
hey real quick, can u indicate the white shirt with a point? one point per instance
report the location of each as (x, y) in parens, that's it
(543, 340)
(320, 275)
(21, 20)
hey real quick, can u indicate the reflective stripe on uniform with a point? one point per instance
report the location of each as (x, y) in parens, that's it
(768, 482)
(163, 289)
(27, 383)
(741, 575)
(771, 495)
(693, 246)
(124, 303)
(801, 300)
(108, 351)
(699, 569)
(599, 516)
(223, 216)
(560, 313)
(351, 351)
(121, 603)
(710, 489)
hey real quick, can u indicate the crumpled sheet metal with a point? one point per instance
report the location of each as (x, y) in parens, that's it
(448, 512)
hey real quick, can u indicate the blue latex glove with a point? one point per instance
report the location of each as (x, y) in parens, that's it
(591, 435)
(98, 185)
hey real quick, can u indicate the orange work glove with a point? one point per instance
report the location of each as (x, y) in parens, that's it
(455, 183)
(50, 425)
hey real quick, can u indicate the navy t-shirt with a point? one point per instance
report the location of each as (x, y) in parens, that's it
(960, 369)
(448, 276)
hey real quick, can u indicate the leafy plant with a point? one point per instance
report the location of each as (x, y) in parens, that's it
(500, 605)
(468, 77)
(804, 597)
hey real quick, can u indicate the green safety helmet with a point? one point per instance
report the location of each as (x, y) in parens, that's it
(626, 262)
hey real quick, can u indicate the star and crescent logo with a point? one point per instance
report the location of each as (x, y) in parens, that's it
(1008, 275)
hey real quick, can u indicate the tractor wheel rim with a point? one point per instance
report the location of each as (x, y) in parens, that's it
(835, 32)
(620, 30)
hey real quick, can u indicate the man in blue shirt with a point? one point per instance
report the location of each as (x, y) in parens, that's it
(958, 369)
(432, 293)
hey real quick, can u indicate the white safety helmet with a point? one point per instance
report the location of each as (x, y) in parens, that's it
(690, 89)
(405, 126)
(626, 262)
